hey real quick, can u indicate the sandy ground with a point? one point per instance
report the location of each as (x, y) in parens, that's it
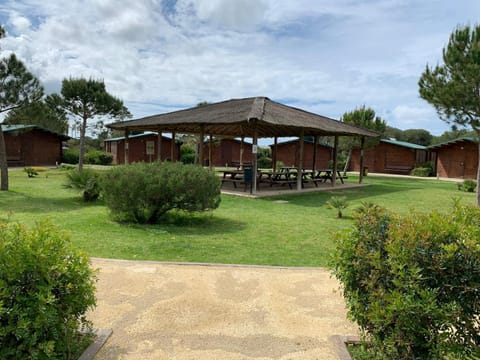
(188, 311)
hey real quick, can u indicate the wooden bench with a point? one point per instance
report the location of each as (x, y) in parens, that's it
(237, 164)
(399, 169)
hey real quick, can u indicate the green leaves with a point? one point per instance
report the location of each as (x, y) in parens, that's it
(17, 85)
(412, 283)
(144, 192)
(45, 288)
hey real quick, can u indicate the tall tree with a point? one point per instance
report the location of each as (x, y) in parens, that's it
(17, 88)
(417, 136)
(366, 118)
(47, 113)
(453, 87)
(88, 100)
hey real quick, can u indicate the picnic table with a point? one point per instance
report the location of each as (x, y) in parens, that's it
(323, 175)
(232, 176)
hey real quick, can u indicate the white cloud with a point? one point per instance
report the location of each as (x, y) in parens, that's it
(325, 56)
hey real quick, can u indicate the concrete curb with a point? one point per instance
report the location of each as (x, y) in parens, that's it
(101, 337)
(246, 266)
(340, 343)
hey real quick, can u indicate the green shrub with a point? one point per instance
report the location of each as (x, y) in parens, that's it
(70, 156)
(187, 154)
(412, 283)
(97, 157)
(339, 203)
(467, 185)
(46, 287)
(87, 181)
(421, 171)
(144, 192)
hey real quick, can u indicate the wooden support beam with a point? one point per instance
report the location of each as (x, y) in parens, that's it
(274, 154)
(210, 146)
(125, 160)
(362, 151)
(242, 143)
(335, 161)
(254, 160)
(172, 148)
(300, 160)
(159, 146)
(315, 148)
(200, 149)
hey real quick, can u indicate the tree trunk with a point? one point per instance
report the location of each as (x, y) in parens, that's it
(82, 143)
(3, 162)
(347, 162)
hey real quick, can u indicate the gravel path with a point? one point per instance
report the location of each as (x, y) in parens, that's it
(192, 311)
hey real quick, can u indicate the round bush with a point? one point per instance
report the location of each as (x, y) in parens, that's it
(412, 283)
(46, 287)
(97, 157)
(70, 156)
(144, 192)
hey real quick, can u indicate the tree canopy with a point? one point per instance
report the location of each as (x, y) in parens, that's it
(46, 113)
(453, 87)
(87, 100)
(17, 88)
(366, 118)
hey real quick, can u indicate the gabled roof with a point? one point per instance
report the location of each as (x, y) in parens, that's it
(404, 144)
(455, 141)
(26, 128)
(239, 117)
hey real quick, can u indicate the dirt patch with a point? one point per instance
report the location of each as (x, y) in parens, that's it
(173, 311)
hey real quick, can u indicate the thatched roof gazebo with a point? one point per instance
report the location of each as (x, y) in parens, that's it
(256, 117)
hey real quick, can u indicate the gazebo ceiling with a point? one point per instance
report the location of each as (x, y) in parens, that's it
(241, 117)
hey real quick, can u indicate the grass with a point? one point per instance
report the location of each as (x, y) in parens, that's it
(241, 231)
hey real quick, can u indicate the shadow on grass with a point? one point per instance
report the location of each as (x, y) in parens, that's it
(352, 194)
(23, 203)
(184, 223)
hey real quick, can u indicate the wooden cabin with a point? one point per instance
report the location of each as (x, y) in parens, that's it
(457, 158)
(141, 147)
(390, 157)
(288, 153)
(226, 152)
(31, 145)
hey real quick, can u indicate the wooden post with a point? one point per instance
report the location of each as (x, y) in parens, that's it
(314, 165)
(362, 146)
(210, 145)
(241, 151)
(254, 160)
(335, 161)
(274, 154)
(200, 149)
(159, 146)
(300, 160)
(125, 160)
(172, 148)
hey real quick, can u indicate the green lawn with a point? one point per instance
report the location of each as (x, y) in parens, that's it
(240, 231)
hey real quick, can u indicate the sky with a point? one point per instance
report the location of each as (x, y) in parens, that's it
(323, 56)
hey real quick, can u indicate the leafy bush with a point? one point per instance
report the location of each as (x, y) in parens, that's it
(70, 156)
(264, 158)
(467, 185)
(421, 171)
(412, 283)
(46, 287)
(339, 203)
(34, 170)
(144, 192)
(87, 181)
(97, 157)
(187, 154)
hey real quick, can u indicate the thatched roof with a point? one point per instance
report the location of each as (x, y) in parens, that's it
(239, 117)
